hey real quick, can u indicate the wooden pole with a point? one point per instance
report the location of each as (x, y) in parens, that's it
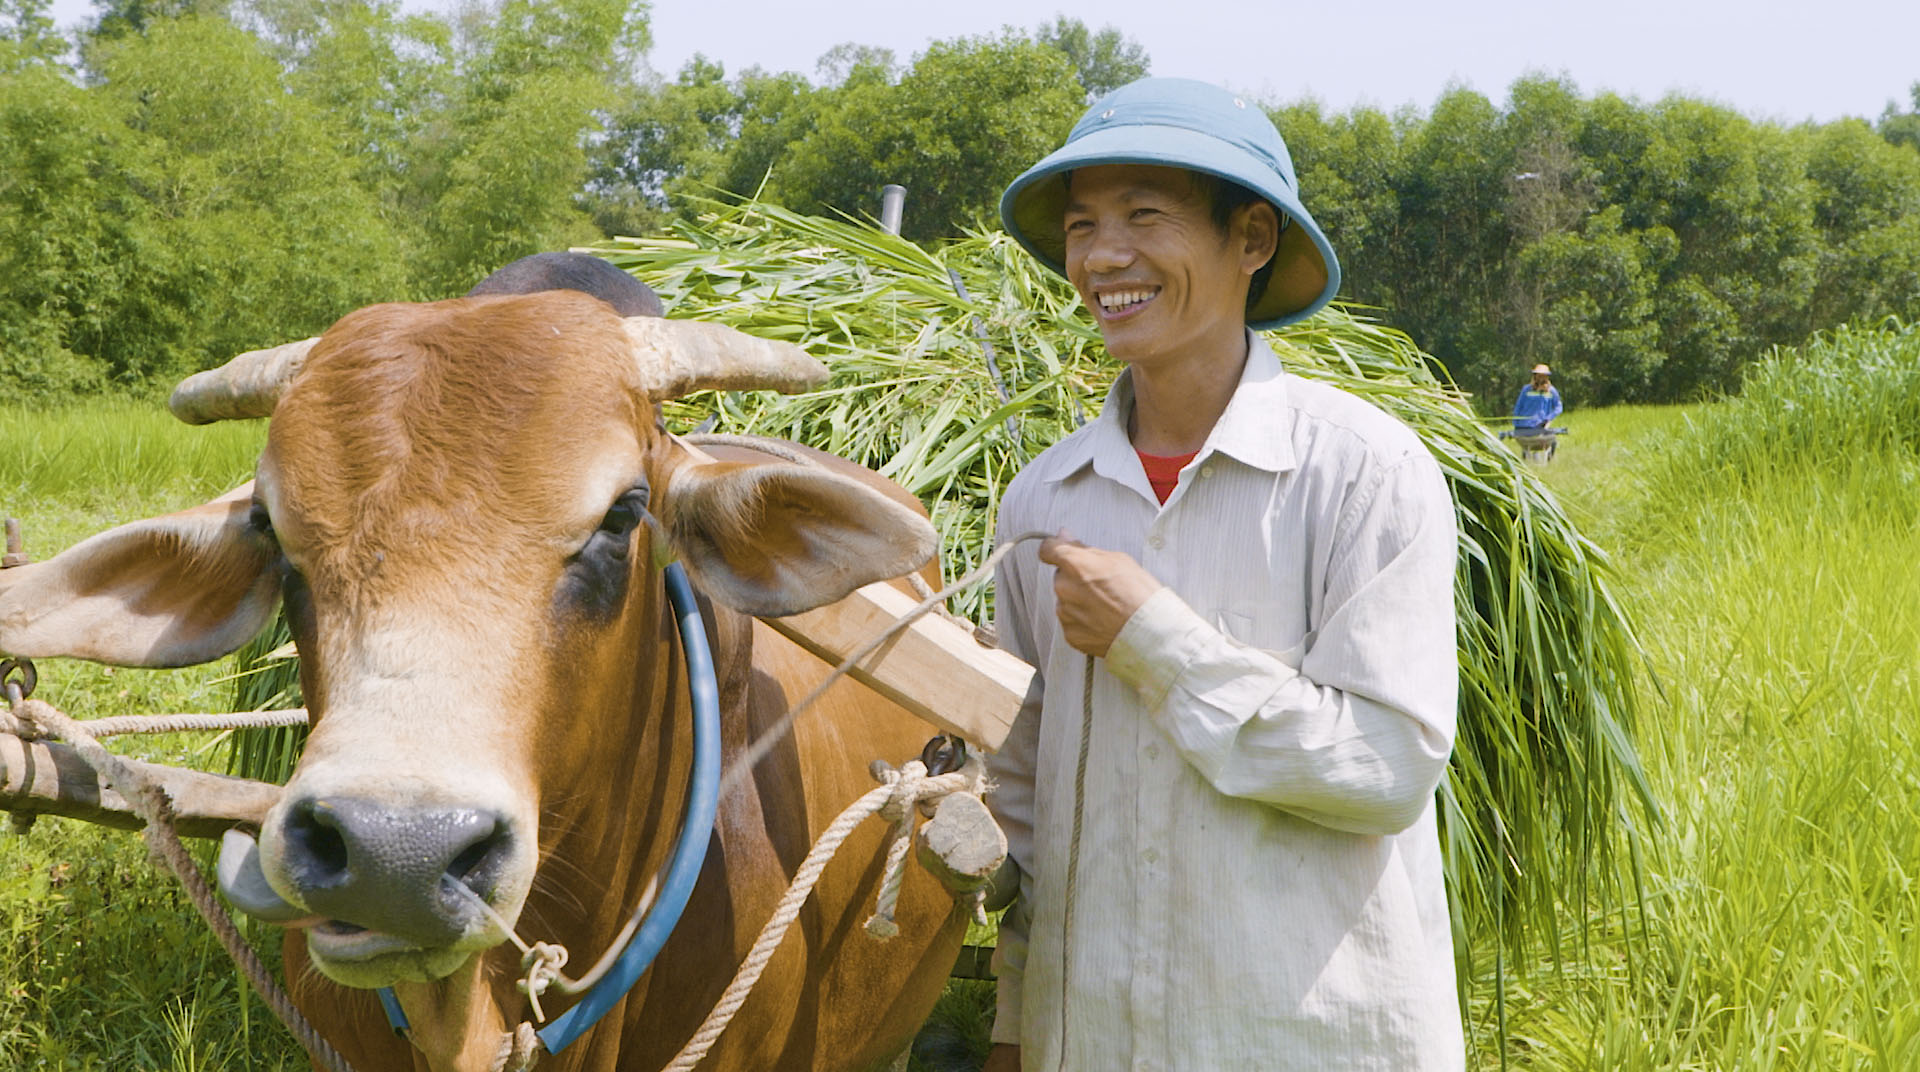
(49, 778)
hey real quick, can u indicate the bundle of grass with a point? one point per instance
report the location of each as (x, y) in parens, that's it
(952, 369)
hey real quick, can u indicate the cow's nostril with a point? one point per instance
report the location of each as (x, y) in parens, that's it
(470, 860)
(313, 834)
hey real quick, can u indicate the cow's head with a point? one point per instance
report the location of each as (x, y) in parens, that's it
(454, 504)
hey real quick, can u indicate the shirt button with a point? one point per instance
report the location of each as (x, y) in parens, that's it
(1153, 751)
(1156, 542)
(1151, 855)
(1206, 472)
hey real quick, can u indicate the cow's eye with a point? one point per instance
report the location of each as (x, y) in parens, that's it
(260, 521)
(615, 535)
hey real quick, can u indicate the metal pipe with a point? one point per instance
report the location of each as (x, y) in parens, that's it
(893, 204)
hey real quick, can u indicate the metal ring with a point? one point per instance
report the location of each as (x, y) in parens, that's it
(18, 675)
(944, 754)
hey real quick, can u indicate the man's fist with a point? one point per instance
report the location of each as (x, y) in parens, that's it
(1095, 591)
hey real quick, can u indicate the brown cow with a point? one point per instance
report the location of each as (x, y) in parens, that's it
(453, 503)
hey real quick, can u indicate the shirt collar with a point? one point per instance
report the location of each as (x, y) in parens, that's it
(1256, 427)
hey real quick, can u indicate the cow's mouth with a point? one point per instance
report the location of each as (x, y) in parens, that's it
(338, 941)
(356, 957)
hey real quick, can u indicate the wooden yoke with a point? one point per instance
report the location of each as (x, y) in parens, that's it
(935, 668)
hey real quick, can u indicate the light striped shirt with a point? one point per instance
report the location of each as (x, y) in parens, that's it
(1259, 879)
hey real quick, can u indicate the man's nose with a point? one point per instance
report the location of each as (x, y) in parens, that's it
(1108, 249)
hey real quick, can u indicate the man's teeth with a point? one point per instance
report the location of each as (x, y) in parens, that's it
(1122, 298)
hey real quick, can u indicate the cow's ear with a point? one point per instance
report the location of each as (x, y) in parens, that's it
(772, 540)
(169, 591)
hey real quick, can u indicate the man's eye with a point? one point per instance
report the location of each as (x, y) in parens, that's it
(1076, 226)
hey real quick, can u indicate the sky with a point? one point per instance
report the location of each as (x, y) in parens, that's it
(1769, 60)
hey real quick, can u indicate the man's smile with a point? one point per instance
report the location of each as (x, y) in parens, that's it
(1124, 302)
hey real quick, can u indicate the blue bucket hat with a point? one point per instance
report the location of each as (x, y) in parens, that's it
(1178, 122)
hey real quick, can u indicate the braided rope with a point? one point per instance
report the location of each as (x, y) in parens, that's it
(121, 725)
(245, 720)
(910, 784)
(150, 802)
(1073, 851)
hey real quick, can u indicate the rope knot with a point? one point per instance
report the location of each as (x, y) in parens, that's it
(542, 963)
(908, 784)
(20, 720)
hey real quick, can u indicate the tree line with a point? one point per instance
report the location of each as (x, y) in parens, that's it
(184, 179)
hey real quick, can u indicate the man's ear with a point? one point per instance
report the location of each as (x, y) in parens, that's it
(168, 591)
(1256, 234)
(773, 540)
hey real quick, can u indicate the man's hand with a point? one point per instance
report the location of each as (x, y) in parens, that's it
(1096, 591)
(1002, 1058)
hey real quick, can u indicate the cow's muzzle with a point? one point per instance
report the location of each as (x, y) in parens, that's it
(396, 871)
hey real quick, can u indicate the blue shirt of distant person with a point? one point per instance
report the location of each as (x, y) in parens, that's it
(1538, 403)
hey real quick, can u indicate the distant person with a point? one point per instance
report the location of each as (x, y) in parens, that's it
(1538, 404)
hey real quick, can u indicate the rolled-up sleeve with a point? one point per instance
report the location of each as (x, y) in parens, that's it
(1353, 730)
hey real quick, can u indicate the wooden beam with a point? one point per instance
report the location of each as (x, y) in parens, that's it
(49, 778)
(934, 669)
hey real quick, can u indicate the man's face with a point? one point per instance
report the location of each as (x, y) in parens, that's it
(1539, 381)
(1143, 251)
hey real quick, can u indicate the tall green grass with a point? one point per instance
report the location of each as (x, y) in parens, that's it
(1769, 550)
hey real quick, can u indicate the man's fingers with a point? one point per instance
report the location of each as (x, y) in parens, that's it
(1051, 546)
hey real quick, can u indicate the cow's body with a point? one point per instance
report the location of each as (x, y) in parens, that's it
(448, 500)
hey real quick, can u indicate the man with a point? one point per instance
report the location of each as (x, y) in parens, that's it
(1229, 851)
(1538, 404)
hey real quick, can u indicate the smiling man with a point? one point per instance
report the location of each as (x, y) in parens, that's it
(1221, 791)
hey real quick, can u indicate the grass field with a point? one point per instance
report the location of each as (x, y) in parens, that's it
(1776, 596)
(1779, 604)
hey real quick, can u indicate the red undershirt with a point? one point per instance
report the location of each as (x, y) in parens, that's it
(1163, 471)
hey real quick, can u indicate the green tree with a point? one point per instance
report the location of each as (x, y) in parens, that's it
(1865, 201)
(954, 130)
(384, 80)
(258, 231)
(71, 231)
(1103, 61)
(27, 35)
(1902, 128)
(508, 166)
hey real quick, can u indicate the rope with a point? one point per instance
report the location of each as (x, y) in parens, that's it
(519, 1050)
(902, 789)
(1073, 849)
(246, 720)
(150, 802)
(120, 725)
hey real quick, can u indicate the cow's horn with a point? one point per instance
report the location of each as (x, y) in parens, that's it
(679, 357)
(247, 386)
